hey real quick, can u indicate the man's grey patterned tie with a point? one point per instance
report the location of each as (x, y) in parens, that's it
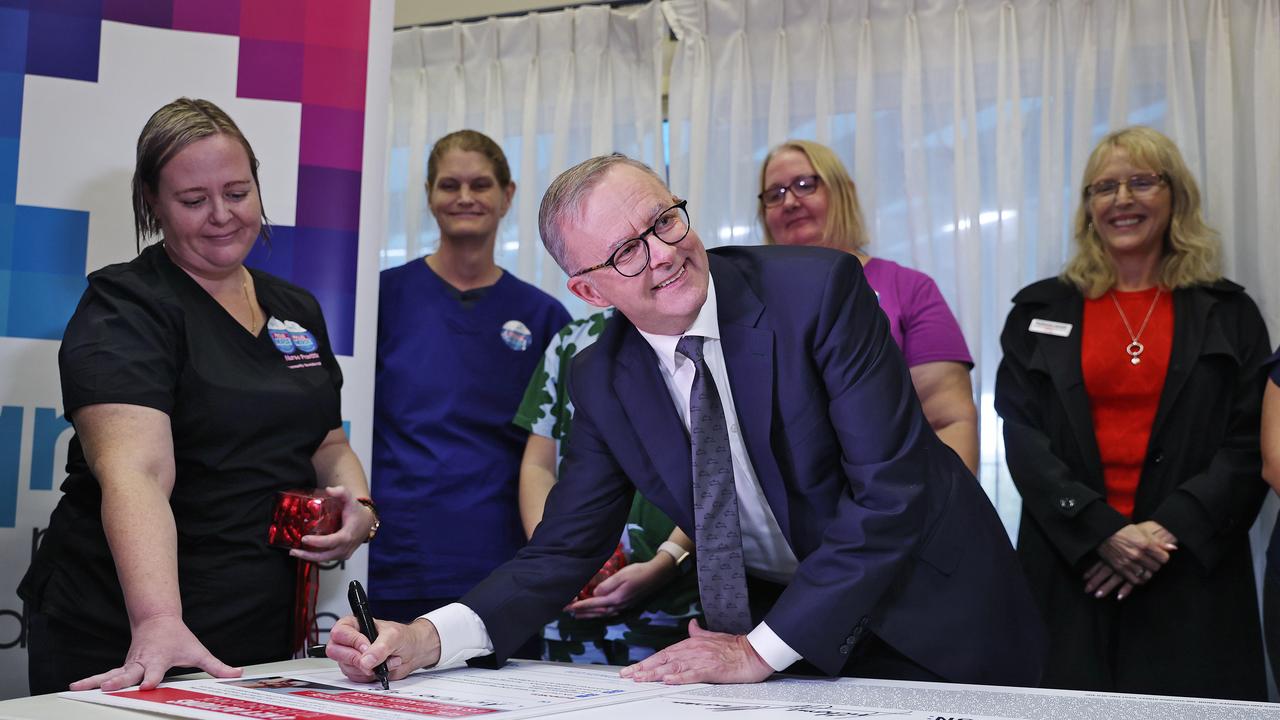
(722, 579)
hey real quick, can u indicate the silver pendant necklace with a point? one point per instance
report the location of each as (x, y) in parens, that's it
(1134, 348)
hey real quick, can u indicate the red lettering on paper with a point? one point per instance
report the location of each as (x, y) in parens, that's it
(403, 704)
(225, 705)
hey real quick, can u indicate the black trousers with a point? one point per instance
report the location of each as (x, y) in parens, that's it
(58, 654)
(872, 658)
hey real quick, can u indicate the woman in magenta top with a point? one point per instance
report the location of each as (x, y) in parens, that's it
(1130, 389)
(808, 198)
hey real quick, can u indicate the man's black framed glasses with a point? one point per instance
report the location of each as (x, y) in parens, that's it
(632, 256)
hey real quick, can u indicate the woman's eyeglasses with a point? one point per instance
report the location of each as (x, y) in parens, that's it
(801, 186)
(1141, 186)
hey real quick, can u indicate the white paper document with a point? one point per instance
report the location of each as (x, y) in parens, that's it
(690, 707)
(520, 689)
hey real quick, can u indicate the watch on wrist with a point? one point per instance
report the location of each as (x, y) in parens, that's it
(681, 556)
(377, 521)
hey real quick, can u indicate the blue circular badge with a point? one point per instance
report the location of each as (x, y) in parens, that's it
(301, 337)
(516, 335)
(279, 336)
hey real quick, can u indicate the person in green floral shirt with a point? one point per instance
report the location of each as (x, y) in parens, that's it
(646, 605)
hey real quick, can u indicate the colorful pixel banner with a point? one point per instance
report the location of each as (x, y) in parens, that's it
(78, 78)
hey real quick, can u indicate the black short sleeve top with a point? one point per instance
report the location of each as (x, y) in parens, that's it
(247, 414)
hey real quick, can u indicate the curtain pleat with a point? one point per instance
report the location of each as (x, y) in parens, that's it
(966, 187)
(1183, 121)
(1055, 190)
(1121, 66)
(1218, 193)
(1083, 90)
(1011, 250)
(1265, 145)
(916, 171)
(865, 135)
(824, 85)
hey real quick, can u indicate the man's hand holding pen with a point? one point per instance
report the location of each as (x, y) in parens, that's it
(404, 648)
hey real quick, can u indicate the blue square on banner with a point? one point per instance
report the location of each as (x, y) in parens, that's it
(10, 105)
(49, 240)
(13, 39)
(40, 304)
(74, 8)
(277, 259)
(8, 170)
(6, 236)
(4, 302)
(326, 259)
(64, 45)
(340, 316)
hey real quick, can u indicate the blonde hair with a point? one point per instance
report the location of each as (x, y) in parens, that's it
(1190, 246)
(844, 229)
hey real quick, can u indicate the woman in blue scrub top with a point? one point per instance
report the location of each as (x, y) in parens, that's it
(458, 339)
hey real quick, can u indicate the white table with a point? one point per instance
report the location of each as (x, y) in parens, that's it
(958, 701)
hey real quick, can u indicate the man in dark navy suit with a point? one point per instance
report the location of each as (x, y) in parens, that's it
(868, 547)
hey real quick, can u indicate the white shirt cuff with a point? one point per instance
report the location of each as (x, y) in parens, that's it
(462, 634)
(771, 648)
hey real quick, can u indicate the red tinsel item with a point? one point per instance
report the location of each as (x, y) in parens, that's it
(304, 607)
(299, 513)
(615, 563)
(303, 512)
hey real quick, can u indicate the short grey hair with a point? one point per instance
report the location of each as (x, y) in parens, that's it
(563, 200)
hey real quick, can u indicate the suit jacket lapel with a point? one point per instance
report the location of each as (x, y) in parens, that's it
(1190, 337)
(1061, 358)
(647, 403)
(748, 356)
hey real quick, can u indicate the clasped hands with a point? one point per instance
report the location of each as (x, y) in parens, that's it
(705, 657)
(1130, 558)
(622, 589)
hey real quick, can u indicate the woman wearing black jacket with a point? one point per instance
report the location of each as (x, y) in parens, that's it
(1130, 391)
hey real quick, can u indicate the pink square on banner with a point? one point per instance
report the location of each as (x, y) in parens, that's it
(270, 70)
(338, 23)
(334, 77)
(280, 20)
(331, 137)
(221, 18)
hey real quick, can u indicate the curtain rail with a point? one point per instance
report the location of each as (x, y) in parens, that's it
(518, 13)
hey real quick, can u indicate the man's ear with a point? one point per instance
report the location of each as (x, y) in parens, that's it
(586, 290)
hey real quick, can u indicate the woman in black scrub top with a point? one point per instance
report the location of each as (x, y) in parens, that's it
(198, 389)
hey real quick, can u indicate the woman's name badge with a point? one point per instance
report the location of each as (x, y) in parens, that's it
(1049, 327)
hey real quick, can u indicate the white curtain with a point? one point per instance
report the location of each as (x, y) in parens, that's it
(551, 88)
(966, 126)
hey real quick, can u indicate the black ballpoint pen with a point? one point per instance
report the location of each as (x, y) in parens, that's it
(360, 608)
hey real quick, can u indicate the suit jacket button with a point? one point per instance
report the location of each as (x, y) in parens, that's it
(1066, 503)
(844, 649)
(852, 638)
(1159, 458)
